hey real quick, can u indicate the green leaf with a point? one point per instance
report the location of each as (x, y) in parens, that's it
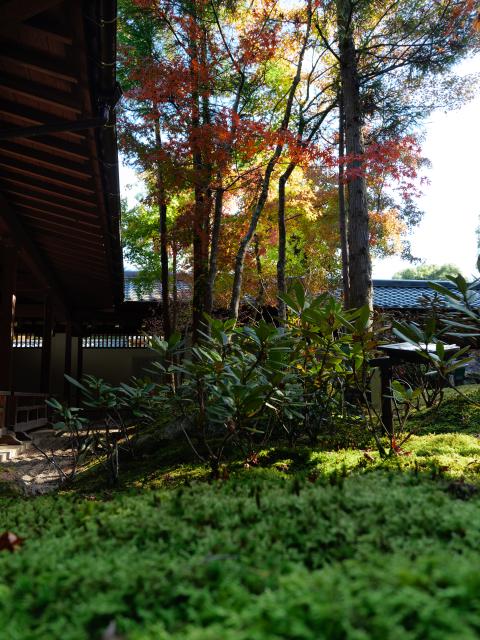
(174, 339)
(363, 319)
(290, 302)
(299, 294)
(76, 383)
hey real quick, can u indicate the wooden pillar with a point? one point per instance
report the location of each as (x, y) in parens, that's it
(46, 359)
(79, 366)
(68, 361)
(8, 284)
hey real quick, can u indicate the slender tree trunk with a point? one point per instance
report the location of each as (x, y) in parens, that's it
(214, 246)
(245, 242)
(202, 198)
(282, 241)
(282, 230)
(360, 268)
(262, 199)
(260, 301)
(162, 208)
(174, 287)
(342, 211)
(200, 258)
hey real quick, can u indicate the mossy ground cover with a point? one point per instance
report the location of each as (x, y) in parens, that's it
(307, 544)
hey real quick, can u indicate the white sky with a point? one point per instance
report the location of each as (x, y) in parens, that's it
(451, 201)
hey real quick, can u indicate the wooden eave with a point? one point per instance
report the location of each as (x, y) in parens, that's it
(59, 193)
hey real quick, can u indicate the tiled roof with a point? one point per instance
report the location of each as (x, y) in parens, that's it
(403, 294)
(132, 294)
(387, 294)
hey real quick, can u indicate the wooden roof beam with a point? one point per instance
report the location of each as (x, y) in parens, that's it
(23, 113)
(79, 215)
(45, 220)
(12, 12)
(51, 145)
(35, 187)
(38, 61)
(46, 95)
(46, 160)
(17, 167)
(31, 254)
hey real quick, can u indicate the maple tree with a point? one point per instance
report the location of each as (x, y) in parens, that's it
(228, 103)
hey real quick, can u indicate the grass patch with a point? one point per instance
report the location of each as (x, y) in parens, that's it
(305, 545)
(369, 555)
(455, 414)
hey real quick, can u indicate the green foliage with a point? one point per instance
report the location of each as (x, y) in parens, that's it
(464, 322)
(427, 272)
(332, 348)
(104, 432)
(429, 345)
(242, 385)
(236, 384)
(458, 319)
(257, 556)
(458, 413)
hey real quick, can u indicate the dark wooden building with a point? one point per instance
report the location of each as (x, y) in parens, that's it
(60, 254)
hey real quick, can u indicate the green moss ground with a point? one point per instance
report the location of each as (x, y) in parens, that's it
(306, 545)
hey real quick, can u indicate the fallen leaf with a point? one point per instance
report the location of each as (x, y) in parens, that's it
(10, 541)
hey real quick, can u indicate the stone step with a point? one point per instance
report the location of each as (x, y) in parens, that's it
(11, 451)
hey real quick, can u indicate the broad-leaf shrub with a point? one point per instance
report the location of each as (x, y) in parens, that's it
(236, 385)
(459, 320)
(241, 385)
(333, 348)
(103, 425)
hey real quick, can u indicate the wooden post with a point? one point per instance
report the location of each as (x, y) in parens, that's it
(384, 363)
(8, 282)
(46, 360)
(79, 365)
(68, 361)
(386, 378)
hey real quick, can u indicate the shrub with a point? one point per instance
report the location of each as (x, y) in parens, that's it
(108, 429)
(242, 385)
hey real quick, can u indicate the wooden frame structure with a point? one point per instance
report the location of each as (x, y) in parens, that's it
(60, 254)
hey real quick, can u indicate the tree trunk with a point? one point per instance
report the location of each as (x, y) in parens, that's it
(200, 258)
(342, 211)
(162, 208)
(360, 268)
(214, 246)
(242, 250)
(282, 242)
(260, 300)
(202, 195)
(262, 199)
(174, 287)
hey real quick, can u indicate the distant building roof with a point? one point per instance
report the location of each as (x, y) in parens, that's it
(387, 294)
(403, 294)
(154, 294)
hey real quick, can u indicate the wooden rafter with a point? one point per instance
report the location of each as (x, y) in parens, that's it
(17, 11)
(38, 61)
(30, 251)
